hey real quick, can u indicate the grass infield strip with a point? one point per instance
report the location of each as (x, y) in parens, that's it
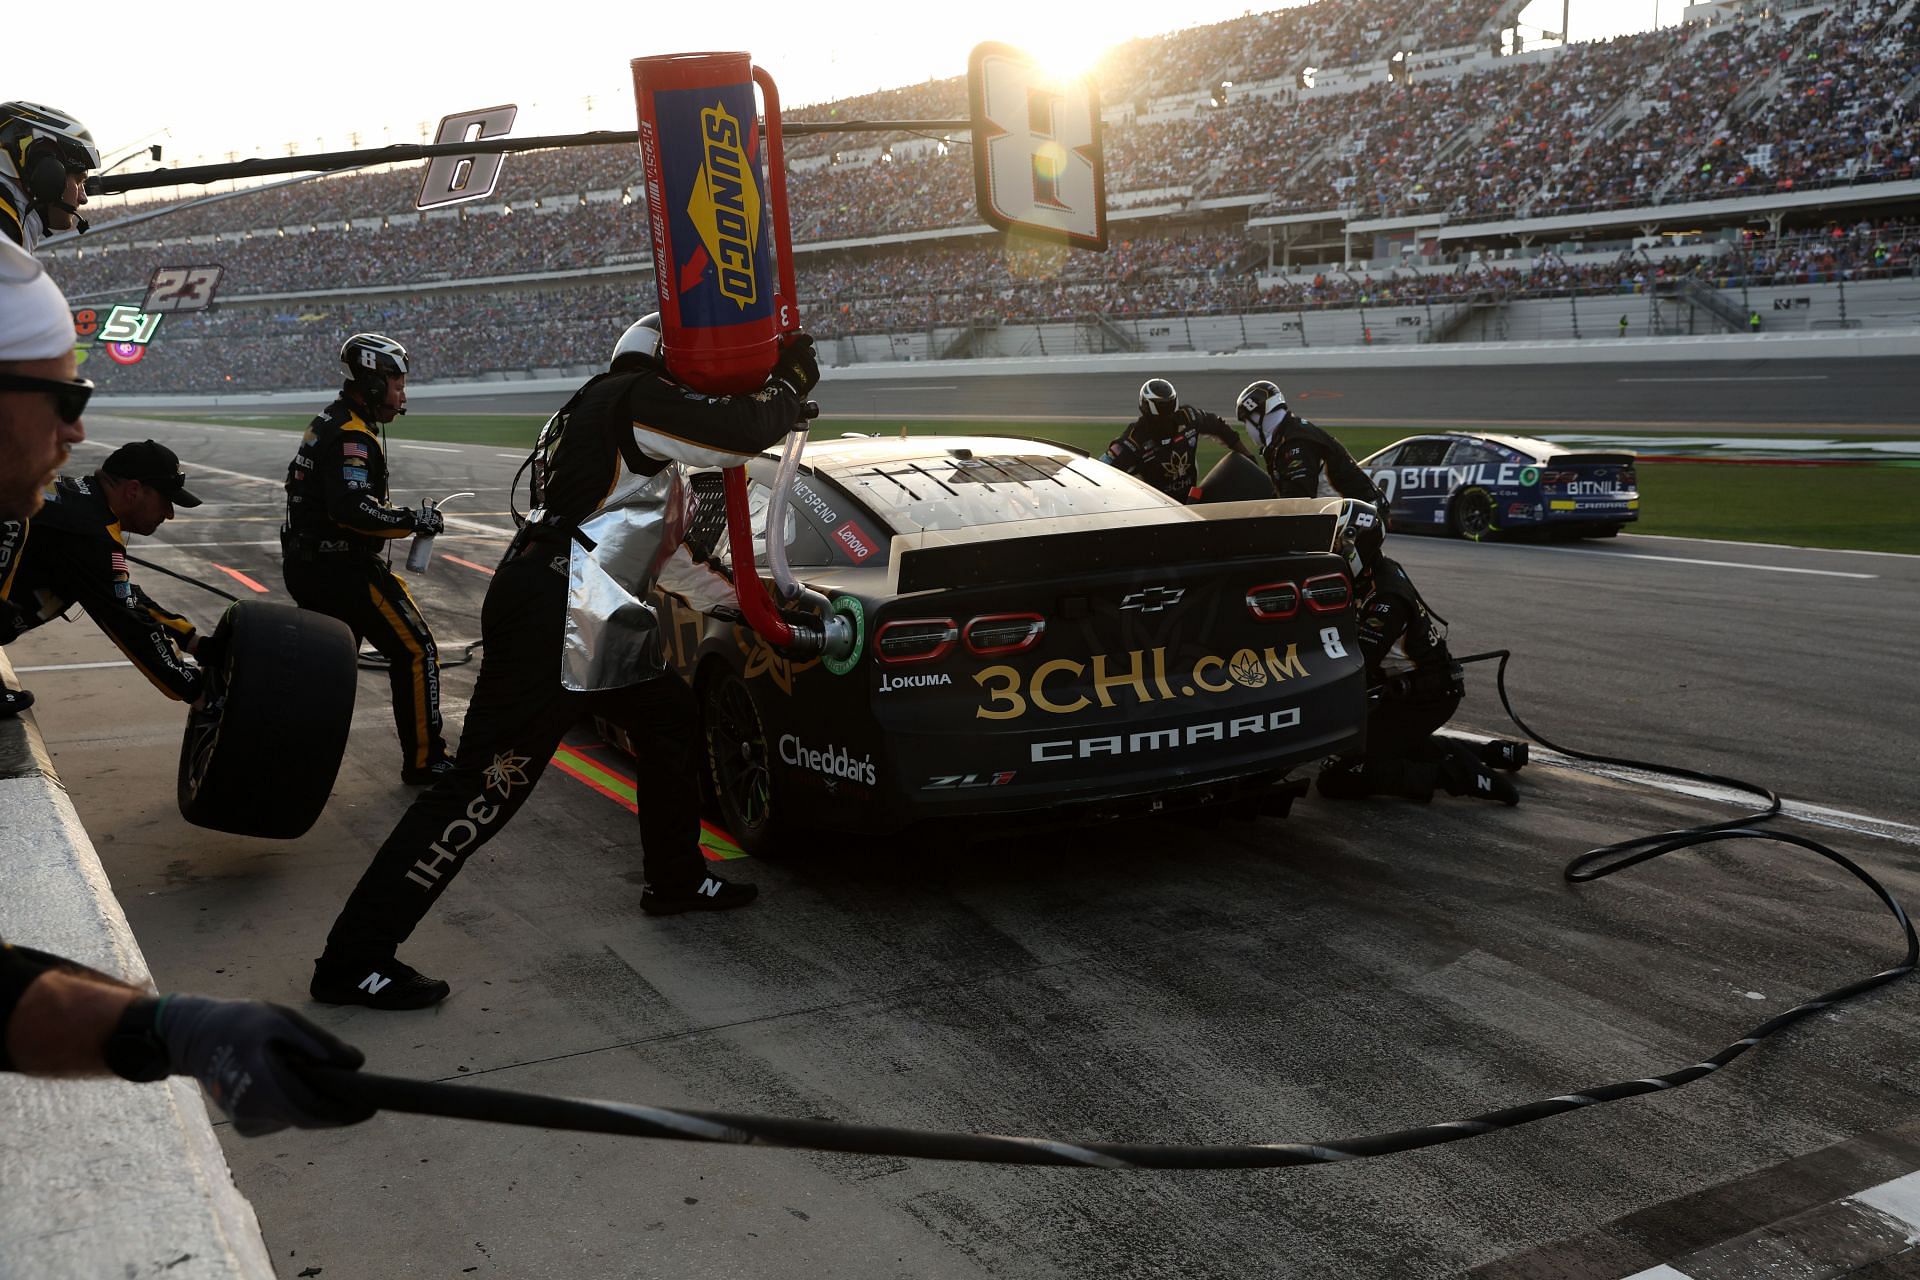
(1869, 507)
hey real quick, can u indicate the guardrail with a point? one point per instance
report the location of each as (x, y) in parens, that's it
(97, 1177)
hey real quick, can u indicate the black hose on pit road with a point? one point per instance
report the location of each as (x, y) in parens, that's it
(419, 1097)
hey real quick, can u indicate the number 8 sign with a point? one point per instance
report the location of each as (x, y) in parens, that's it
(181, 289)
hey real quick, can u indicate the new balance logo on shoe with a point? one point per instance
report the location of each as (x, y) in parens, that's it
(372, 983)
(1484, 782)
(711, 887)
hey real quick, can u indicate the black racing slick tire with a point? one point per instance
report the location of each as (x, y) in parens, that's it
(740, 765)
(1470, 514)
(261, 758)
(1236, 478)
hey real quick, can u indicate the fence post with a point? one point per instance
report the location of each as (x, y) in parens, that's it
(1843, 303)
(1303, 326)
(1573, 305)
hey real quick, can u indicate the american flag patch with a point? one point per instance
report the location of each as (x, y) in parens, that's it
(120, 564)
(353, 450)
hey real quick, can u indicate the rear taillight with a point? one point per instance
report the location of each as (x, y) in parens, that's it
(916, 639)
(1274, 601)
(1328, 593)
(998, 633)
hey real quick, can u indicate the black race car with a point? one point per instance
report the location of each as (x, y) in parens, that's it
(1040, 635)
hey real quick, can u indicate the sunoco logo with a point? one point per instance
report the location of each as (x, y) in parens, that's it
(725, 206)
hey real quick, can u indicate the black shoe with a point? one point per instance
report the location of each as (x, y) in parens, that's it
(428, 776)
(711, 894)
(1464, 774)
(383, 984)
(13, 702)
(1503, 753)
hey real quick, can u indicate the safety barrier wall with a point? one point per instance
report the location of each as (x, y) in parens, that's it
(97, 1177)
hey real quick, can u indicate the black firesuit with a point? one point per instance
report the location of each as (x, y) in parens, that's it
(73, 552)
(641, 422)
(1306, 462)
(1160, 448)
(338, 520)
(1414, 687)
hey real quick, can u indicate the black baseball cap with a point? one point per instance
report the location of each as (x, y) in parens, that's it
(153, 464)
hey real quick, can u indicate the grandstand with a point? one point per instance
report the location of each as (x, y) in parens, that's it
(1688, 167)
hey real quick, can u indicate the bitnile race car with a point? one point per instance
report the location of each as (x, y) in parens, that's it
(1039, 635)
(1481, 486)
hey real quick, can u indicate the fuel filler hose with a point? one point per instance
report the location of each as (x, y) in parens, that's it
(467, 1102)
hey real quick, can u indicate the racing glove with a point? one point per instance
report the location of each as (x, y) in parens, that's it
(244, 1052)
(796, 365)
(429, 521)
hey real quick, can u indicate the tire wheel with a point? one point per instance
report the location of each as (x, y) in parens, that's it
(1470, 514)
(739, 760)
(260, 760)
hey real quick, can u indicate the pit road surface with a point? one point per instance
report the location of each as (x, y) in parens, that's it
(1352, 969)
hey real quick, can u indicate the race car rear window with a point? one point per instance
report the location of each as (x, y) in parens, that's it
(951, 492)
(1424, 453)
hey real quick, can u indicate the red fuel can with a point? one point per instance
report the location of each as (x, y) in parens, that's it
(722, 250)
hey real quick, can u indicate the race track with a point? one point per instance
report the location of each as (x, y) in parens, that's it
(1853, 395)
(1355, 968)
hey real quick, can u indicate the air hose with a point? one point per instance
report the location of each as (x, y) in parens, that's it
(419, 1097)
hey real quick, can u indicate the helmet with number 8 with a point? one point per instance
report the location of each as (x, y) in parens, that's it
(371, 358)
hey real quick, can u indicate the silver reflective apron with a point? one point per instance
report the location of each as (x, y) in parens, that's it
(613, 634)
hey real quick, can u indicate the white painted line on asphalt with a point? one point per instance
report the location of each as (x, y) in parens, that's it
(948, 387)
(1819, 815)
(1661, 1272)
(1717, 564)
(76, 666)
(1899, 1198)
(425, 448)
(1779, 546)
(1790, 377)
(517, 457)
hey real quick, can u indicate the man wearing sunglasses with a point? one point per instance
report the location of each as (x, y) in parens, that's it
(41, 398)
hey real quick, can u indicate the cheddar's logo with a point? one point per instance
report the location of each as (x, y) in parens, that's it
(725, 206)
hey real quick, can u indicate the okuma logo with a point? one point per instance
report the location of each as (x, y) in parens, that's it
(926, 680)
(725, 209)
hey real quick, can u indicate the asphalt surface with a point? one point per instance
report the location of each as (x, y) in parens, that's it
(1355, 968)
(1774, 395)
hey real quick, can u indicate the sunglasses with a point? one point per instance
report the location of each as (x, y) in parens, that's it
(69, 398)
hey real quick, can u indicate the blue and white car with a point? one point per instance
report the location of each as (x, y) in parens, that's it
(1483, 486)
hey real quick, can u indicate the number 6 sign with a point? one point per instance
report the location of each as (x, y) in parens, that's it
(181, 289)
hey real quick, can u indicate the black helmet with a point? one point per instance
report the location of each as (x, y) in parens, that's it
(371, 358)
(641, 340)
(1158, 398)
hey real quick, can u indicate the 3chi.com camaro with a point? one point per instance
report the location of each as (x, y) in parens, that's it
(1042, 635)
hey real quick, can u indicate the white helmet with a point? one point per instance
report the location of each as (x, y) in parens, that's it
(41, 147)
(642, 338)
(1261, 407)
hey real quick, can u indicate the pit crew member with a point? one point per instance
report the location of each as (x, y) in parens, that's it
(75, 552)
(567, 632)
(1414, 686)
(1159, 445)
(44, 159)
(339, 519)
(1303, 460)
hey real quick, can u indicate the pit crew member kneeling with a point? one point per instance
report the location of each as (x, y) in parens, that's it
(567, 633)
(1413, 688)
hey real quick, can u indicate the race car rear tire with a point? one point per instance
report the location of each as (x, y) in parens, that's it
(260, 760)
(1236, 478)
(740, 766)
(1470, 514)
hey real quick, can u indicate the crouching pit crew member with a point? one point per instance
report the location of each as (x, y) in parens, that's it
(58, 1018)
(1414, 686)
(567, 633)
(1302, 460)
(75, 552)
(1159, 445)
(339, 519)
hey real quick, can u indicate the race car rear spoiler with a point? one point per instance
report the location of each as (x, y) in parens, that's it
(1216, 534)
(1598, 459)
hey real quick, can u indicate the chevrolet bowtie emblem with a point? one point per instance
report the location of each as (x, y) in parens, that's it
(1153, 599)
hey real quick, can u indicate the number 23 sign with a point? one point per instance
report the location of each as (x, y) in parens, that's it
(181, 289)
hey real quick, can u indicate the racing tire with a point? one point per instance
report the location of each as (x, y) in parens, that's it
(740, 766)
(1470, 514)
(1236, 478)
(261, 758)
